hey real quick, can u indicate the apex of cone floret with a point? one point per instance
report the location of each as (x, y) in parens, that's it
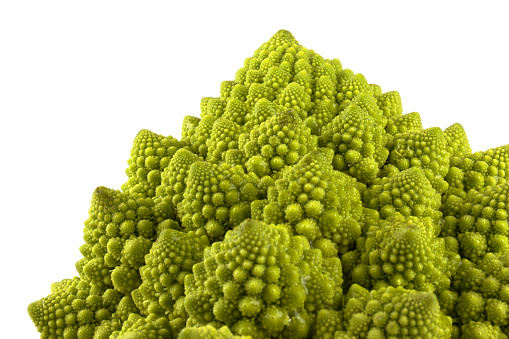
(283, 36)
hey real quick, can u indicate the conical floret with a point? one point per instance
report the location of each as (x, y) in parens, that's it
(426, 149)
(457, 141)
(281, 140)
(396, 312)
(173, 184)
(407, 252)
(150, 154)
(408, 192)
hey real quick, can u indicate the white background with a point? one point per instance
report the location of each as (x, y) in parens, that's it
(78, 80)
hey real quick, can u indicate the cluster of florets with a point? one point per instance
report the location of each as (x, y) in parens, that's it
(479, 221)
(279, 141)
(258, 279)
(483, 169)
(479, 297)
(358, 141)
(170, 260)
(119, 232)
(301, 180)
(75, 309)
(315, 201)
(406, 252)
(216, 198)
(392, 313)
(150, 155)
(426, 149)
(173, 184)
(409, 193)
(247, 278)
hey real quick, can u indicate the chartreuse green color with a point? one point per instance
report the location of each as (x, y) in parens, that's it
(300, 202)
(406, 252)
(394, 313)
(259, 281)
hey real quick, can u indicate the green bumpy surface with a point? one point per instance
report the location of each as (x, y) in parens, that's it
(118, 233)
(358, 141)
(426, 149)
(281, 140)
(74, 309)
(316, 201)
(408, 192)
(395, 313)
(301, 180)
(256, 281)
(406, 252)
(150, 154)
(171, 258)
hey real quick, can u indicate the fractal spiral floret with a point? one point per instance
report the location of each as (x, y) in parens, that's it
(301, 202)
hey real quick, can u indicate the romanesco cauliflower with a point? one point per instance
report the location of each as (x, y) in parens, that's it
(299, 182)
